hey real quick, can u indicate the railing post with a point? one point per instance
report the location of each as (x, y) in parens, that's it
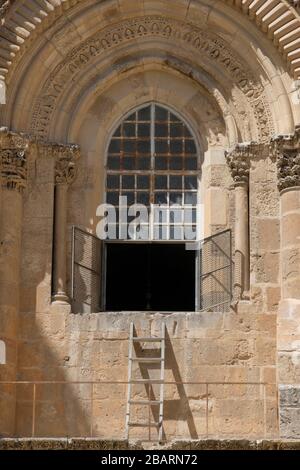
(207, 410)
(92, 410)
(33, 410)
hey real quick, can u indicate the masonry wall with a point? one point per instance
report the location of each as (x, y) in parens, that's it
(237, 347)
(200, 347)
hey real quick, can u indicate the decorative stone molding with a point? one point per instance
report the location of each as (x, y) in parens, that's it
(239, 161)
(15, 148)
(13, 160)
(276, 18)
(200, 41)
(13, 169)
(287, 151)
(65, 165)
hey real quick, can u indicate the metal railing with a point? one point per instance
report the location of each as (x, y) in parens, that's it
(216, 284)
(86, 271)
(217, 413)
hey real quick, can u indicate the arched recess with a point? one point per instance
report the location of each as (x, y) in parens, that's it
(96, 116)
(61, 54)
(22, 21)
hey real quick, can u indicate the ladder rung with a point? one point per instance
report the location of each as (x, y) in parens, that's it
(146, 381)
(145, 402)
(147, 359)
(145, 425)
(145, 340)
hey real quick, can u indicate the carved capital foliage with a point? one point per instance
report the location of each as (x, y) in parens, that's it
(239, 161)
(18, 150)
(13, 162)
(65, 163)
(287, 150)
(13, 168)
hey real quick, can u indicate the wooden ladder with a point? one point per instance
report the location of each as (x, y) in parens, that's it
(132, 381)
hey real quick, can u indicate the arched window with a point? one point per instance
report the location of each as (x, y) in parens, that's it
(153, 160)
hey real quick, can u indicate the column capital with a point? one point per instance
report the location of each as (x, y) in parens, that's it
(287, 152)
(13, 167)
(65, 163)
(239, 160)
(13, 159)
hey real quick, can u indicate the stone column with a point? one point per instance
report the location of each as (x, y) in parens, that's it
(13, 182)
(288, 331)
(239, 163)
(64, 176)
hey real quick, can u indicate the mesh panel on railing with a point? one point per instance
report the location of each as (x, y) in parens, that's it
(86, 271)
(216, 272)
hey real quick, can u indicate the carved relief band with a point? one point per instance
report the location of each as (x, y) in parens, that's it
(13, 169)
(205, 43)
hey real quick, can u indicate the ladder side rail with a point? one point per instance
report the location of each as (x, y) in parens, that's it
(162, 377)
(129, 379)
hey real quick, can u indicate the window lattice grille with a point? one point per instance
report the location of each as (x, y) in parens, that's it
(153, 160)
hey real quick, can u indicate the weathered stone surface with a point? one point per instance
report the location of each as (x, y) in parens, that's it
(74, 79)
(96, 444)
(290, 422)
(290, 396)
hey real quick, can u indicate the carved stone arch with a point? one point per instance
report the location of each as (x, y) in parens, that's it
(110, 103)
(201, 43)
(207, 90)
(29, 23)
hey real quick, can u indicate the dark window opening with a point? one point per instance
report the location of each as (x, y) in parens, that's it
(148, 277)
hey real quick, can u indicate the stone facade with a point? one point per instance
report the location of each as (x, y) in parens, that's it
(64, 87)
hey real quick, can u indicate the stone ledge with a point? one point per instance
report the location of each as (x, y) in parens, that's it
(98, 444)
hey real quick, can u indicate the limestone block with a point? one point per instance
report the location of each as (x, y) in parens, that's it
(271, 418)
(268, 234)
(290, 263)
(269, 375)
(197, 324)
(60, 419)
(107, 418)
(256, 296)
(290, 201)
(198, 13)
(8, 324)
(216, 206)
(289, 396)
(288, 367)
(267, 323)
(265, 350)
(266, 267)
(273, 298)
(24, 413)
(30, 354)
(290, 228)
(221, 351)
(154, 6)
(264, 201)
(39, 201)
(37, 239)
(237, 417)
(7, 412)
(217, 175)
(290, 423)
